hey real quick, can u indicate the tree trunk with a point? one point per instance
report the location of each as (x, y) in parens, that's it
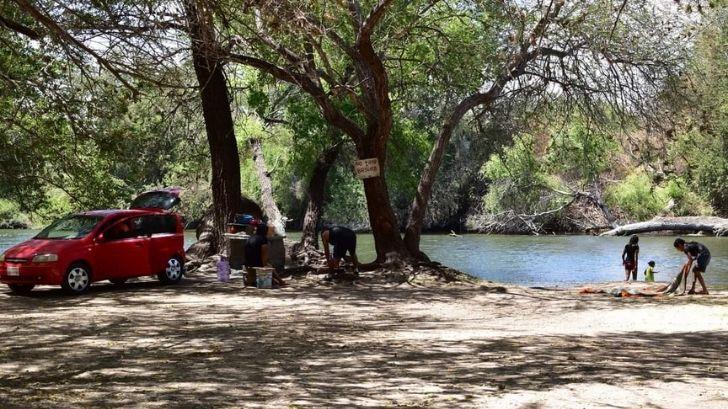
(219, 125)
(597, 197)
(713, 225)
(383, 222)
(316, 192)
(270, 208)
(424, 189)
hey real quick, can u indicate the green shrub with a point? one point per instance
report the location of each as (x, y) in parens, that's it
(639, 198)
(636, 197)
(519, 180)
(11, 216)
(581, 152)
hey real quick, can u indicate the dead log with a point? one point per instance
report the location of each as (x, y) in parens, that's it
(711, 225)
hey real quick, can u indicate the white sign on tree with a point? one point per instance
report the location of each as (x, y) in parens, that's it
(366, 168)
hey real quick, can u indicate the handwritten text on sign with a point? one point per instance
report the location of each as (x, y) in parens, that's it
(366, 168)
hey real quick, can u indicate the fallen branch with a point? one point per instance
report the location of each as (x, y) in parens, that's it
(712, 225)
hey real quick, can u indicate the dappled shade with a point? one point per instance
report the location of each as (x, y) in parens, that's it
(205, 343)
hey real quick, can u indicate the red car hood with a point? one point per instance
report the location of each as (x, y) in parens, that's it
(28, 249)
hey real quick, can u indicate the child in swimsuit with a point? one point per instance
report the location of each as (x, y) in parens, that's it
(630, 256)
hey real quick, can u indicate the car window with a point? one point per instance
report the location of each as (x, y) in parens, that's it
(126, 229)
(160, 224)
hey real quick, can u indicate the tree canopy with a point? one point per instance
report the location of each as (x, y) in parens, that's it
(471, 108)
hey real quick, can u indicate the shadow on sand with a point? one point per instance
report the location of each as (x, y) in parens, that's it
(194, 345)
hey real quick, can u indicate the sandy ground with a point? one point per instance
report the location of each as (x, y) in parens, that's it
(208, 344)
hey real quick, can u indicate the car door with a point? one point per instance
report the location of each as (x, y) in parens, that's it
(124, 250)
(166, 240)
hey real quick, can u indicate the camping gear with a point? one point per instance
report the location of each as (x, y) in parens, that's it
(223, 270)
(236, 251)
(277, 253)
(244, 223)
(250, 277)
(264, 277)
(245, 219)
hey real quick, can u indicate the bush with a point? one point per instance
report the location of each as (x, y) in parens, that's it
(638, 197)
(11, 217)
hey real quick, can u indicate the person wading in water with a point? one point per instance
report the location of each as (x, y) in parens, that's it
(630, 257)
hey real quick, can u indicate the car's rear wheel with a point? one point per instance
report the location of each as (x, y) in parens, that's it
(118, 281)
(77, 279)
(21, 288)
(173, 272)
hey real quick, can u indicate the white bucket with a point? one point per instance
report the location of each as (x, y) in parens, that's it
(264, 277)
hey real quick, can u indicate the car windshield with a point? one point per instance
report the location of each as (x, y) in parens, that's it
(68, 228)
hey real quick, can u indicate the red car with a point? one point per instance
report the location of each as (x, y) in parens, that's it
(112, 245)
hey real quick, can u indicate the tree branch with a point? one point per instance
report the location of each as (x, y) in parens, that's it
(65, 36)
(20, 28)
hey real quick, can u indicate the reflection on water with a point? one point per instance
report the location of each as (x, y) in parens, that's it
(531, 260)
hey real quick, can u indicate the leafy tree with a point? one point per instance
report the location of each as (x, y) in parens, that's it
(702, 126)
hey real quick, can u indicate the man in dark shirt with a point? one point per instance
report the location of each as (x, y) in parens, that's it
(256, 249)
(256, 255)
(343, 240)
(698, 253)
(256, 252)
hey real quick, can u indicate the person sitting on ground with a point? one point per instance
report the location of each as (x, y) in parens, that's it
(630, 257)
(696, 252)
(256, 255)
(343, 240)
(650, 272)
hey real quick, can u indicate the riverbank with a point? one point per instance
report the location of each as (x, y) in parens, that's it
(204, 343)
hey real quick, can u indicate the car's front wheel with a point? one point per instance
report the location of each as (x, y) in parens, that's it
(173, 272)
(77, 279)
(21, 288)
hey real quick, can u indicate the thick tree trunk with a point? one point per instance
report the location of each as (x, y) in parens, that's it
(712, 225)
(387, 238)
(316, 192)
(219, 125)
(270, 208)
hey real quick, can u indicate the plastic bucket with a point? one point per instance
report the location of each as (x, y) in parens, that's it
(264, 277)
(223, 270)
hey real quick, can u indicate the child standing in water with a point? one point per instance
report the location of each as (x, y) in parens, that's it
(650, 272)
(630, 257)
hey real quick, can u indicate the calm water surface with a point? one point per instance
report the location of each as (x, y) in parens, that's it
(531, 260)
(556, 260)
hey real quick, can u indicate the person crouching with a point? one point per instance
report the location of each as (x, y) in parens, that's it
(696, 253)
(343, 240)
(256, 255)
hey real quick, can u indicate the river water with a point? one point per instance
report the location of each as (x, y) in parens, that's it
(532, 260)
